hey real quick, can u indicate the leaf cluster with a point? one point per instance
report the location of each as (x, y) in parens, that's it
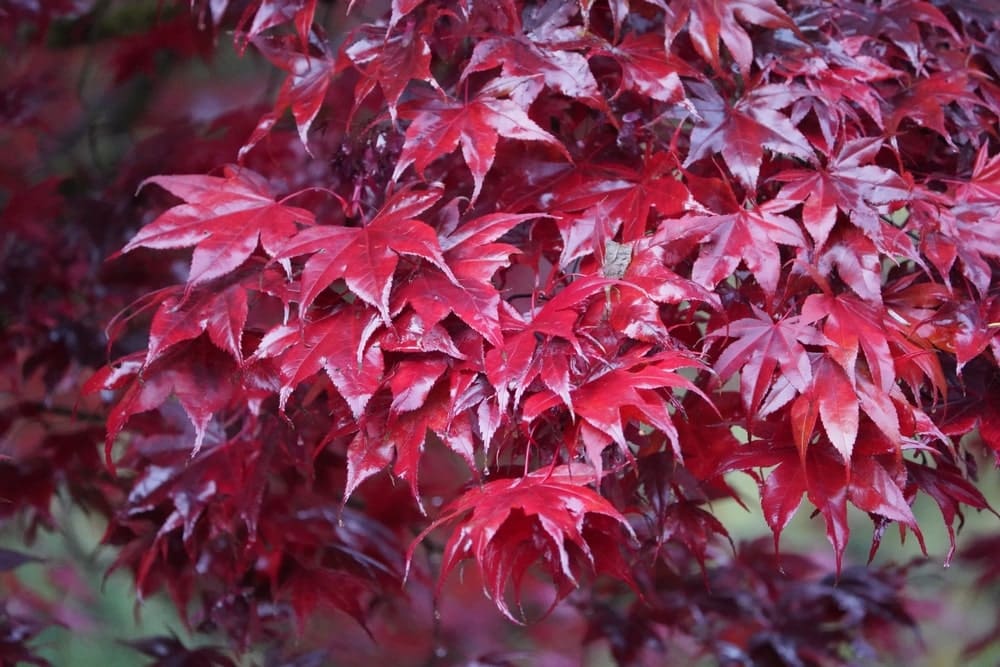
(527, 284)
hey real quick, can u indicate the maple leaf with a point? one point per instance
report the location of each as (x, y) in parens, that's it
(649, 69)
(222, 313)
(820, 474)
(273, 13)
(223, 218)
(473, 259)
(550, 514)
(630, 389)
(949, 488)
(878, 486)
(851, 325)
(337, 344)
(849, 184)
(200, 376)
(762, 346)
(925, 101)
(532, 349)
(366, 257)
(544, 55)
(511, 367)
(830, 397)
(647, 268)
(781, 495)
(303, 91)
(394, 435)
(389, 62)
(858, 263)
(409, 333)
(439, 126)
(983, 185)
(970, 232)
(694, 527)
(310, 589)
(400, 9)
(615, 196)
(834, 70)
(709, 22)
(740, 132)
(749, 234)
(829, 483)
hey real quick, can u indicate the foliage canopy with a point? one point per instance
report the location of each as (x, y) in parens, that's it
(517, 283)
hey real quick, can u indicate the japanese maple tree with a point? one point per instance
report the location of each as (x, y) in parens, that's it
(516, 289)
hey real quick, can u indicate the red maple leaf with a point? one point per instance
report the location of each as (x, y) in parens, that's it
(473, 258)
(648, 68)
(852, 326)
(526, 348)
(630, 389)
(223, 218)
(338, 344)
(983, 185)
(200, 376)
(439, 126)
(390, 434)
(761, 347)
(709, 22)
(748, 234)
(303, 91)
(273, 13)
(740, 132)
(848, 184)
(390, 62)
(857, 262)
(548, 514)
(222, 313)
(366, 257)
(545, 55)
(822, 476)
(831, 399)
(599, 201)
(926, 100)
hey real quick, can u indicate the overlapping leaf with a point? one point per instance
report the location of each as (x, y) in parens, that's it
(338, 344)
(545, 55)
(472, 258)
(711, 24)
(389, 62)
(739, 132)
(438, 127)
(303, 91)
(648, 69)
(629, 391)
(366, 257)
(848, 184)
(761, 347)
(548, 515)
(750, 235)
